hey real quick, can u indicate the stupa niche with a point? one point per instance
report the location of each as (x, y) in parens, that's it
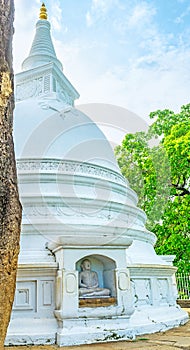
(77, 207)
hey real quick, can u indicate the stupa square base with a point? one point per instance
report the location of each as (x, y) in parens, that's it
(26, 331)
(86, 330)
(144, 321)
(99, 331)
(157, 319)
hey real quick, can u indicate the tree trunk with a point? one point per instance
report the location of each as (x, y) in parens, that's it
(10, 208)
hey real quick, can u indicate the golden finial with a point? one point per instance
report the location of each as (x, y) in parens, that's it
(43, 11)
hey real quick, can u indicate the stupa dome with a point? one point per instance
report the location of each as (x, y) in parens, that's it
(48, 129)
(69, 180)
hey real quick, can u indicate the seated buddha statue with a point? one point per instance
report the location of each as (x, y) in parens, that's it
(88, 282)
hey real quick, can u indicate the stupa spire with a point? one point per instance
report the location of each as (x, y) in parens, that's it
(42, 50)
(43, 12)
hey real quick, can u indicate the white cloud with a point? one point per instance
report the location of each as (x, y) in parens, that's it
(180, 18)
(152, 73)
(102, 5)
(142, 14)
(147, 84)
(89, 19)
(24, 32)
(24, 24)
(56, 19)
(98, 9)
(135, 21)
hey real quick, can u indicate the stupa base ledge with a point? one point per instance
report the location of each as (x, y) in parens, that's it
(85, 330)
(97, 333)
(121, 329)
(35, 339)
(158, 319)
(31, 332)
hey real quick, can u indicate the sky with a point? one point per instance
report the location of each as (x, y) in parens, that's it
(130, 53)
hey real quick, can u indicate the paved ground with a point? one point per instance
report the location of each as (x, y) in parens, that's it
(177, 338)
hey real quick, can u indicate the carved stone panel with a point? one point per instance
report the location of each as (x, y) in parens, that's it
(71, 283)
(141, 291)
(47, 293)
(163, 288)
(123, 281)
(25, 296)
(29, 89)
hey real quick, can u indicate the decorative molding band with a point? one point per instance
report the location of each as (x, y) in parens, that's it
(151, 270)
(30, 83)
(69, 167)
(29, 89)
(36, 269)
(126, 215)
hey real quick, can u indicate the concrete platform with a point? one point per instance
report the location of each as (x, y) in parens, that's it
(177, 338)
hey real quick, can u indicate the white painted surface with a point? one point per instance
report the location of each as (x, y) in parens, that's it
(77, 205)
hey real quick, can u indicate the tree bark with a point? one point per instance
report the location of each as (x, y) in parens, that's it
(10, 208)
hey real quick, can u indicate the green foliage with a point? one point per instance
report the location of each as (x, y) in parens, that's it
(173, 232)
(157, 165)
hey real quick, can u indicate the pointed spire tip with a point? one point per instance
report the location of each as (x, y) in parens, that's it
(43, 12)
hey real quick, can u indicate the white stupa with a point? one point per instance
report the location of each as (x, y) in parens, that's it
(76, 206)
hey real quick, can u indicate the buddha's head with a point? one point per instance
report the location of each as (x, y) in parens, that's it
(85, 264)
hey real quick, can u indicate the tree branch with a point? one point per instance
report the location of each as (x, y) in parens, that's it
(181, 188)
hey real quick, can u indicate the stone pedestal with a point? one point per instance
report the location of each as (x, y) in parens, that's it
(85, 319)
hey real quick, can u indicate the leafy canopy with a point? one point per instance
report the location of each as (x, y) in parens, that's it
(157, 165)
